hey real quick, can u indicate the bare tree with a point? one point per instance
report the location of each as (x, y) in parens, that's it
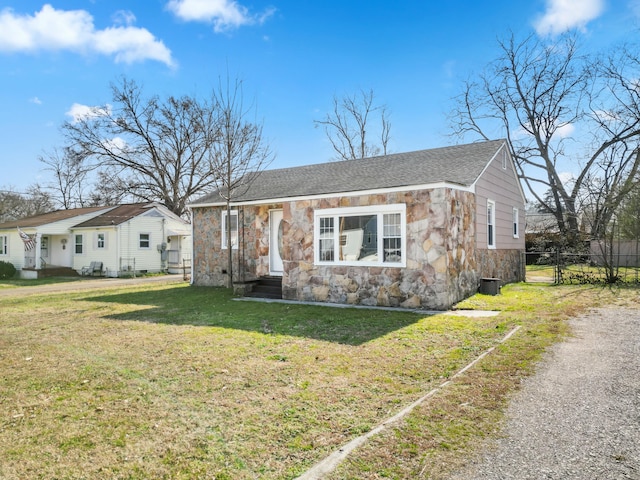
(629, 213)
(15, 205)
(605, 189)
(537, 93)
(348, 127)
(158, 148)
(71, 175)
(240, 152)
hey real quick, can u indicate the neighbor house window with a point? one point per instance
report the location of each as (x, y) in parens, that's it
(234, 229)
(4, 245)
(145, 240)
(101, 240)
(78, 244)
(361, 235)
(491, 224)
(516, 232)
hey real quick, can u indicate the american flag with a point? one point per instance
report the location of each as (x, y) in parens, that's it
(29, 243)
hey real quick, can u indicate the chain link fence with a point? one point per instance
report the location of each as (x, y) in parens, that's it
(604, 267)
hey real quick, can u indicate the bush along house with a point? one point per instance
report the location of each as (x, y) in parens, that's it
(414, 230)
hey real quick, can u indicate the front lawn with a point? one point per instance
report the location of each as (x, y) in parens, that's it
(174, 381)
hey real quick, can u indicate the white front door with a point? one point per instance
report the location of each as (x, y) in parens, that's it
(275, 243)
(44, 248)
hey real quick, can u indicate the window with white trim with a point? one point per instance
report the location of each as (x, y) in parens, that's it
(505, 158)
(491, 224)
(4, 245)
(101, 241)
(369, 236)
(144, 241)
(234, 229)
(325, 239)
(516, 231)
(78, 244)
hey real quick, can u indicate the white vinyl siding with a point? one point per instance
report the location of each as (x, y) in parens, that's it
(363, 236)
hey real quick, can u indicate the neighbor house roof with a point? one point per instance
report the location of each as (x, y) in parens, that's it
(117, 215)
(51, 217)
(112, 215)
(459, 164)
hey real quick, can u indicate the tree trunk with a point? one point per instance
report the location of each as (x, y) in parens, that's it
(229, 248)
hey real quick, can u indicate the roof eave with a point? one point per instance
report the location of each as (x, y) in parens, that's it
(355, 193)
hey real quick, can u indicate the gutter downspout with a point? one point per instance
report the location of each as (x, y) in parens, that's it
(118, 240)
(193, 246)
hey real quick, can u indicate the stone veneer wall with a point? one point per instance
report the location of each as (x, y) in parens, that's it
(440, 270)
(507, 265)
(250, 260)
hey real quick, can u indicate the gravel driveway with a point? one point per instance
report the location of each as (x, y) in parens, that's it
(578, 417)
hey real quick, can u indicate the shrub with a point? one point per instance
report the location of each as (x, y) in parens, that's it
(7, 270)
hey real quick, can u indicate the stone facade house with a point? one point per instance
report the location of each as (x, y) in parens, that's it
(417, 230)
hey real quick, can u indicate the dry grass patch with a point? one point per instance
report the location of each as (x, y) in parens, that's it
(182, 382)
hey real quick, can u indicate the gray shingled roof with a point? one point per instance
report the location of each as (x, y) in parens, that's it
(459, 164)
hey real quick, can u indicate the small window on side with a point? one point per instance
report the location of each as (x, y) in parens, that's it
(145, 240)
(491, 224)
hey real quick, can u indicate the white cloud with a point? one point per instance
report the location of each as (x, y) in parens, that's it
(224, 14)
(565, 131)
(35, 100)
(123, 17)
(560, 131)
(73, 30)
(567, 178)
(563, 15)
(116, 144)
(80, 112)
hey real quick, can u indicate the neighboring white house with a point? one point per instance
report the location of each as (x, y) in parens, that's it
(128, 238)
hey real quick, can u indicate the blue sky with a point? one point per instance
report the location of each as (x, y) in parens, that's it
(292, 55)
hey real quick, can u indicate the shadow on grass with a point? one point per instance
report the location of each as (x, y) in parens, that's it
(215, 307)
